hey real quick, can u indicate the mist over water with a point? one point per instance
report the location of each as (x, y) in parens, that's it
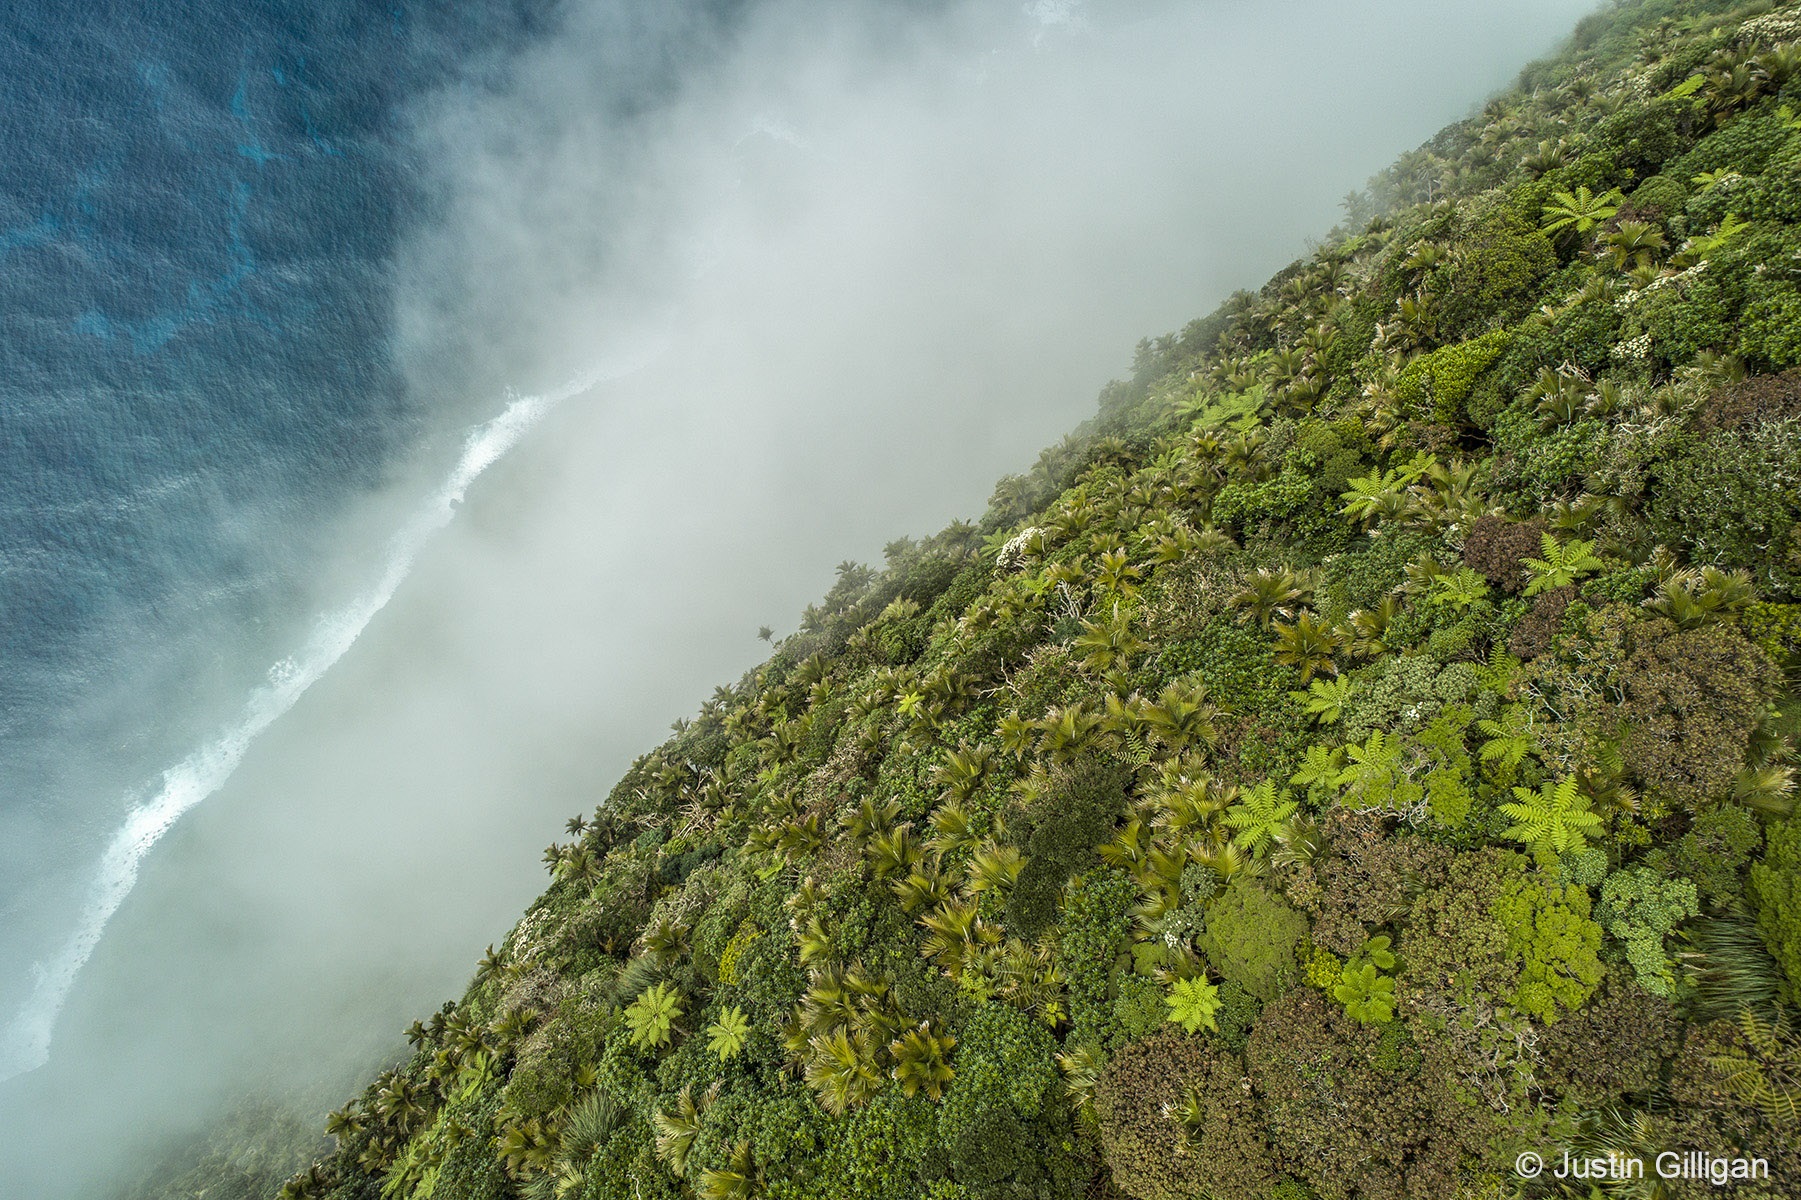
(823, 272)
(199, 212)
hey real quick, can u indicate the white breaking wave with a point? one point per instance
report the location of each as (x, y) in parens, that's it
(25, 1041)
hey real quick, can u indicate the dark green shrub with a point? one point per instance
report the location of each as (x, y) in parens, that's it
(1775, 887)
(1744, 145)
(1778, 194)
(1349, 1112)
(1714, 852)
(1715, 499)
(1096, 922)
(1150, 1152)
(1642, 137)
(1001, 1121)
(1502, 261)
(1772, 328)
(1659, 198)
(472, 1169)
(1497, 548)
(1060, 837)
(1693, 697)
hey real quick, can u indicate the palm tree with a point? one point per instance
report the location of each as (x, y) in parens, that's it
(869, 819)
(957, 935)
(841, 1070)
(1369, 627)
(1181, 716)
(738, 1181)
(894, 852)
(922, 1060)
(1109, 642)
(1426, 257)
(1187, 805)
(924, 887)
(1547, 156)
(399, 1100)
(1269, 594)
(1116, 575)
(676, 1131)
(963, 769)
(1633, 244)
(1309, 644)
(664, 943)
(579, 864)
(344, 1122)
(994, 867)
(1069, 729)
(1417, 316)
(1561, 396)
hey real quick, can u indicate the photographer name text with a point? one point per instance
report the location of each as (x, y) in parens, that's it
(1717, 1169)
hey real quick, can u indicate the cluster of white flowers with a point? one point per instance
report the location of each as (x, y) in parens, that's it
(1013, 554)
(1632, 348)
(1625, 300)
(526, 934)
(1771, 27)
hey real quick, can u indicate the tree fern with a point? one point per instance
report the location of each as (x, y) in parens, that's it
(1552, 820)
(1374, 778)
(1767, 1072)
(1580, 210)
(1509, 740)
(1192, 1003)
(725, 1037)
(1325, 699)
(1258, 815)
(1562, 565)
(653, 1014)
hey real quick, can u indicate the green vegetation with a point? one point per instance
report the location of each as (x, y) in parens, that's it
(1362, 752)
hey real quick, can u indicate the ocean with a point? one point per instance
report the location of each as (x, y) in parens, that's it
(199, 208)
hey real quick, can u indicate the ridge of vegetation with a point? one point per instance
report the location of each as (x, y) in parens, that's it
(1362, 754)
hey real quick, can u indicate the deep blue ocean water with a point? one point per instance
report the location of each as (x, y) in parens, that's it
(200, 204)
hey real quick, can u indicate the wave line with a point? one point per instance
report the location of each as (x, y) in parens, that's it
(25, 1040)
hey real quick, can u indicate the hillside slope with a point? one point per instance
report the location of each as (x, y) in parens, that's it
(1360, 756)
